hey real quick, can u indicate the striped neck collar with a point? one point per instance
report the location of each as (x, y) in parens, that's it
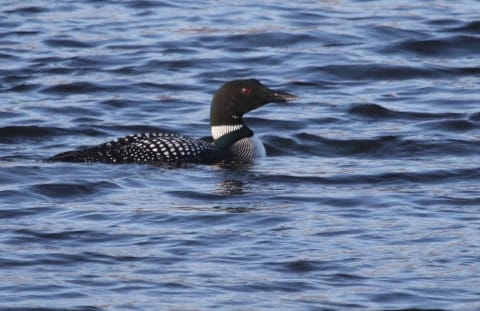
(226, 135)
(220, 130)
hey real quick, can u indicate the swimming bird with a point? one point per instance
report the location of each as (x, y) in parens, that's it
(231, 138)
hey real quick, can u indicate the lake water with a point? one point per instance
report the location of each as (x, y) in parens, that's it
(369, 197)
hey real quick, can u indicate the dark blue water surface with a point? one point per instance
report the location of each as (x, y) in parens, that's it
(369, 197)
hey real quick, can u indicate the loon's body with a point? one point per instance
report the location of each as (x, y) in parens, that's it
(231, 138)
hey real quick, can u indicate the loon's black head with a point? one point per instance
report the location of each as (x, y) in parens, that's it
(237, 97)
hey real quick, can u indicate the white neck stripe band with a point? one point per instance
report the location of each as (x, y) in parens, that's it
(220, 130)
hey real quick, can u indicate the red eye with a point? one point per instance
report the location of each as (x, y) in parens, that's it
(246, 91)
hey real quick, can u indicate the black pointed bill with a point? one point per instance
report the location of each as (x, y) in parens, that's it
(280, 97)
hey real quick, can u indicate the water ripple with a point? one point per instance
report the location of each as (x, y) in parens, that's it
(369, 194)
(454, 46)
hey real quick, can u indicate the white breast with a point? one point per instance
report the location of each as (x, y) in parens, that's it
(248, 148)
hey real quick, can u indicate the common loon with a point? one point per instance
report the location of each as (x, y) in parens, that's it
(231, 138)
